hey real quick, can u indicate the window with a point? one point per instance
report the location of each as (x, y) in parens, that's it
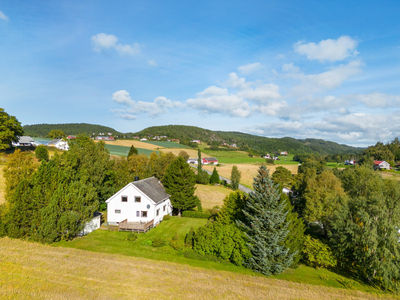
(137, 213)
(137, 199)
(158, 212)
(124, 198)
(117, 211)
(144, 214)
(164, 207)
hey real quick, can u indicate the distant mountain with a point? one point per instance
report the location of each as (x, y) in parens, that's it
(41, 130)
(258, 143)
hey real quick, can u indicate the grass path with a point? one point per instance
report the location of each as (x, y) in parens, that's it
(35, 271)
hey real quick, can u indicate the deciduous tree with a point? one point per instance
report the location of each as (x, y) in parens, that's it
(235, 177)
(10, 129)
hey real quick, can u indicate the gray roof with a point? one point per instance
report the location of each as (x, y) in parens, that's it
(25, 139)
(152, 188)
(53, 142)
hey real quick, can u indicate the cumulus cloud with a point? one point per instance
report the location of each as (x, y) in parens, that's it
(218, 100)
(103, 41)
(250, 68)
(160, 105)
(3, 16)
(328, 50)
(374, 100)
(262, 93)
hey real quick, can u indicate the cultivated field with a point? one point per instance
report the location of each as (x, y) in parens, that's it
(2, 185)
(192, 153)
(249, 171)
(35, 271)
(211, 195)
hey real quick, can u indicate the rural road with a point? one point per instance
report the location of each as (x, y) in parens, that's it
(241, 187)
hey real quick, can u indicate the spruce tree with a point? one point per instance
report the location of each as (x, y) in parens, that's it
(214, 177)
(179, 181)
(132, 151)
(266, 227)
(41, 153)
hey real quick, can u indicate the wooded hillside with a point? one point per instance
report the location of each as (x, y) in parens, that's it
(41, 130)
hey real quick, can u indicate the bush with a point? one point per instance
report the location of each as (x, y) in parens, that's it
(41, 153)
(166, 217)
(317, 254)
(157, 242)
(189, 238)
(147, 243)
(193, 255)
(270, 161)
(195, 214)
(203, 177)
(132, 236)
(176, 243)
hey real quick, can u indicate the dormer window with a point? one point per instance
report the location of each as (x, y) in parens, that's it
(124, 198)
(137, 199)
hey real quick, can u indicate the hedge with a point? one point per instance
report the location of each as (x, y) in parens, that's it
(195, 214)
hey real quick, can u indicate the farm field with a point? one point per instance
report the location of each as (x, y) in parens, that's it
(192, 153)
(249, 171)
(211, 195)
(163, 144)
(30, 270)
(123, 150)
(2, 185)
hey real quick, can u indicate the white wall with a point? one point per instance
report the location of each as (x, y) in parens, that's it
(92, 225)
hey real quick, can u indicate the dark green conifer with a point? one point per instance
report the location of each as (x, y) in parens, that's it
(214, 177)
(132, 151)
(179, 181)
(266, 227)
(41, 153)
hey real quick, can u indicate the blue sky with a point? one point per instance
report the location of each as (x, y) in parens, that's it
(304, 69)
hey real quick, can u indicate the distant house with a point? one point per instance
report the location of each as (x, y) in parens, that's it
(350, 162)
(143, 139)
(233, 146)
(209, 160)
(175, 140)
(267, 156)
(139, 206)
(196, 141)
(283, 152)
(62, 145)
(92, 225)
(71, 137)
(105, 138)
(286, 191)
(23, 141)
(193, 161)
(53, 142)
(381, 164)
(136, 137)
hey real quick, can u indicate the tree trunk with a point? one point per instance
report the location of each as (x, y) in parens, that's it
(179, 212)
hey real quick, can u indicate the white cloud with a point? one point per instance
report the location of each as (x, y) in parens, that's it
(217, 100)
(235, 82)
(103, 41)
(3, 16)
(374, 100)
(152, 62)
(263, 93)
(160, 105)
(331, 50)
(250, 68)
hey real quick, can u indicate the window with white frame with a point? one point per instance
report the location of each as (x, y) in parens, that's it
(164, 207)
(137, 199)
(117, 211)
(137, 213)
(158, 212)
(144, 214)
(124, 198)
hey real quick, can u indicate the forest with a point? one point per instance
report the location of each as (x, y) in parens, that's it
(42, 130)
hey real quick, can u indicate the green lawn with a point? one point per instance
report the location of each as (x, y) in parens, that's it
(123, 150)
(117, 243)
(167, 144)
(233, 157)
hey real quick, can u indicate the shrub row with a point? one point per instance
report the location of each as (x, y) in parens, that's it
(195, 214)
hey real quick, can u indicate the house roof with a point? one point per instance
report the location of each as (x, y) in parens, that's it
(152, 188)
(210, 158)
(53, 142)
(25, 139)
(378, 162)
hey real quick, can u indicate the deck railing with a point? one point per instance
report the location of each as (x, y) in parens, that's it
(135, 226)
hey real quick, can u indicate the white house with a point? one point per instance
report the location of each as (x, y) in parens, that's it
(283, 152)
(194, 161)
(23, 141)
(62, 145)
(140, 201)
(381, 164)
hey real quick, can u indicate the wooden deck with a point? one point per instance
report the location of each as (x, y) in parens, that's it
(135, 226)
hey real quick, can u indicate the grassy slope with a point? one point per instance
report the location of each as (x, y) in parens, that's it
(123, 150)
(116, 243)
(35, 271)
(211, 196)
(167, 144)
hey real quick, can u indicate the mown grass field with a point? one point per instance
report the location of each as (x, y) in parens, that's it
(123, 151)
(35, 271)
(211, 195)
(163, 144)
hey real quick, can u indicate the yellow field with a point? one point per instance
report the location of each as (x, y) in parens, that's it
(211, 196)
(2, 185)
(249, 171)
(137, 144)
(35, 271)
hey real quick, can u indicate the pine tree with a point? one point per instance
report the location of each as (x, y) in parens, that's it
(179, 181)
(132, 151)
(235, 177)
(214, 177)
(266, 227)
